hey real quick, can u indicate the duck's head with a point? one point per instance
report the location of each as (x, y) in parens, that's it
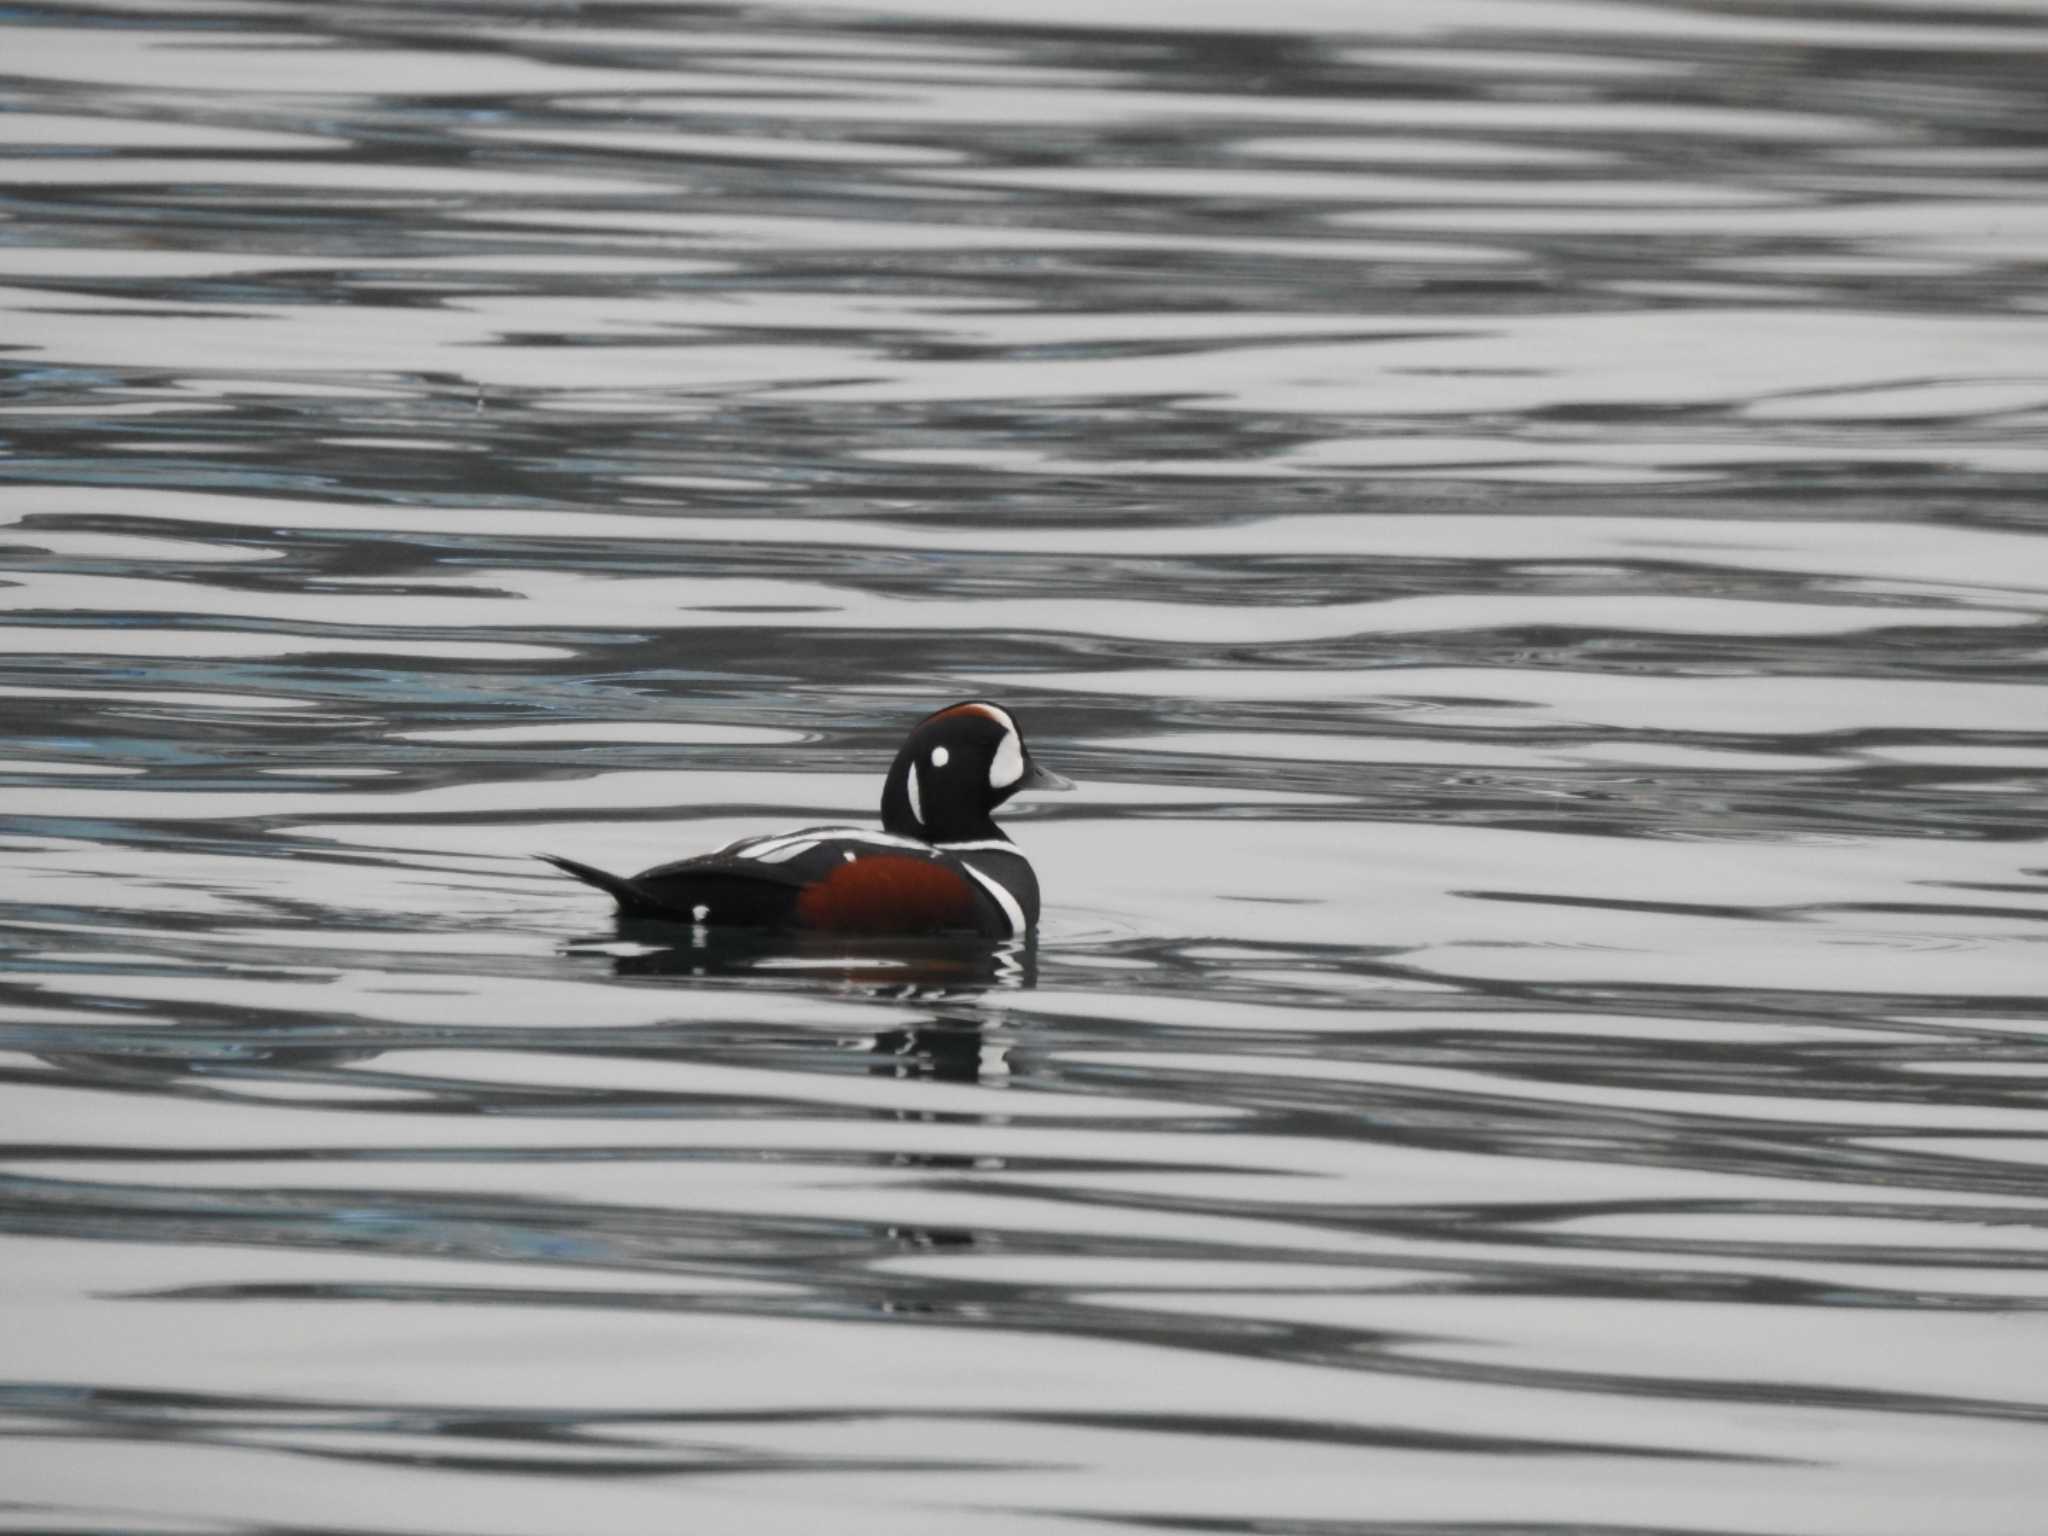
(957, 766)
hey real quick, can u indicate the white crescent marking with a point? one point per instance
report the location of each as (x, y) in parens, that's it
(1001, 892)
(1007, 767)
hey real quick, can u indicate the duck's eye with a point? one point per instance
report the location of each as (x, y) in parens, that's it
(940, 757)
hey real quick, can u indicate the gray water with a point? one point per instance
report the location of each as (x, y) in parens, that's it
(1525, 518)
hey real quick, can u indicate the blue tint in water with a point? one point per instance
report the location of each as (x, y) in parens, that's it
(1526, 522)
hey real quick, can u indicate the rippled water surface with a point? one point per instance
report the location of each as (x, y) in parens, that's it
(1526, 518)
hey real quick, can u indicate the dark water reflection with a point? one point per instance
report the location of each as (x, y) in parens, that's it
(1526, 519)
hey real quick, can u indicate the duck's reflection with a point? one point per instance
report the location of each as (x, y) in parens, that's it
(886, 966)
(943, 974)
(946, 1049)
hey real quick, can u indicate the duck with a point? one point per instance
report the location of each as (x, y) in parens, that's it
(939, 864)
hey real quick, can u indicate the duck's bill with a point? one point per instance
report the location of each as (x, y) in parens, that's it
(1036, 777)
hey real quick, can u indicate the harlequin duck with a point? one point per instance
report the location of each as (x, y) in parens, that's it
(939, 864)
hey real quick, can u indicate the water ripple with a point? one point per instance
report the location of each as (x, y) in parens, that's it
(1525, 519)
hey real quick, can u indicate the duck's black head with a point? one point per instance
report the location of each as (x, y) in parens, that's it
(959, 764)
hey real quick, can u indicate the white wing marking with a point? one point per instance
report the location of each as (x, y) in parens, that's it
(782, 846)
(782, 853)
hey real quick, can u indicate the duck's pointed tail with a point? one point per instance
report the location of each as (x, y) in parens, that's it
(632, 900)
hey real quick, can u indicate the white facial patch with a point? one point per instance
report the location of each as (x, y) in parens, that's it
(699, 913)
(916, 802)
(940, 757)
(1007, 767)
